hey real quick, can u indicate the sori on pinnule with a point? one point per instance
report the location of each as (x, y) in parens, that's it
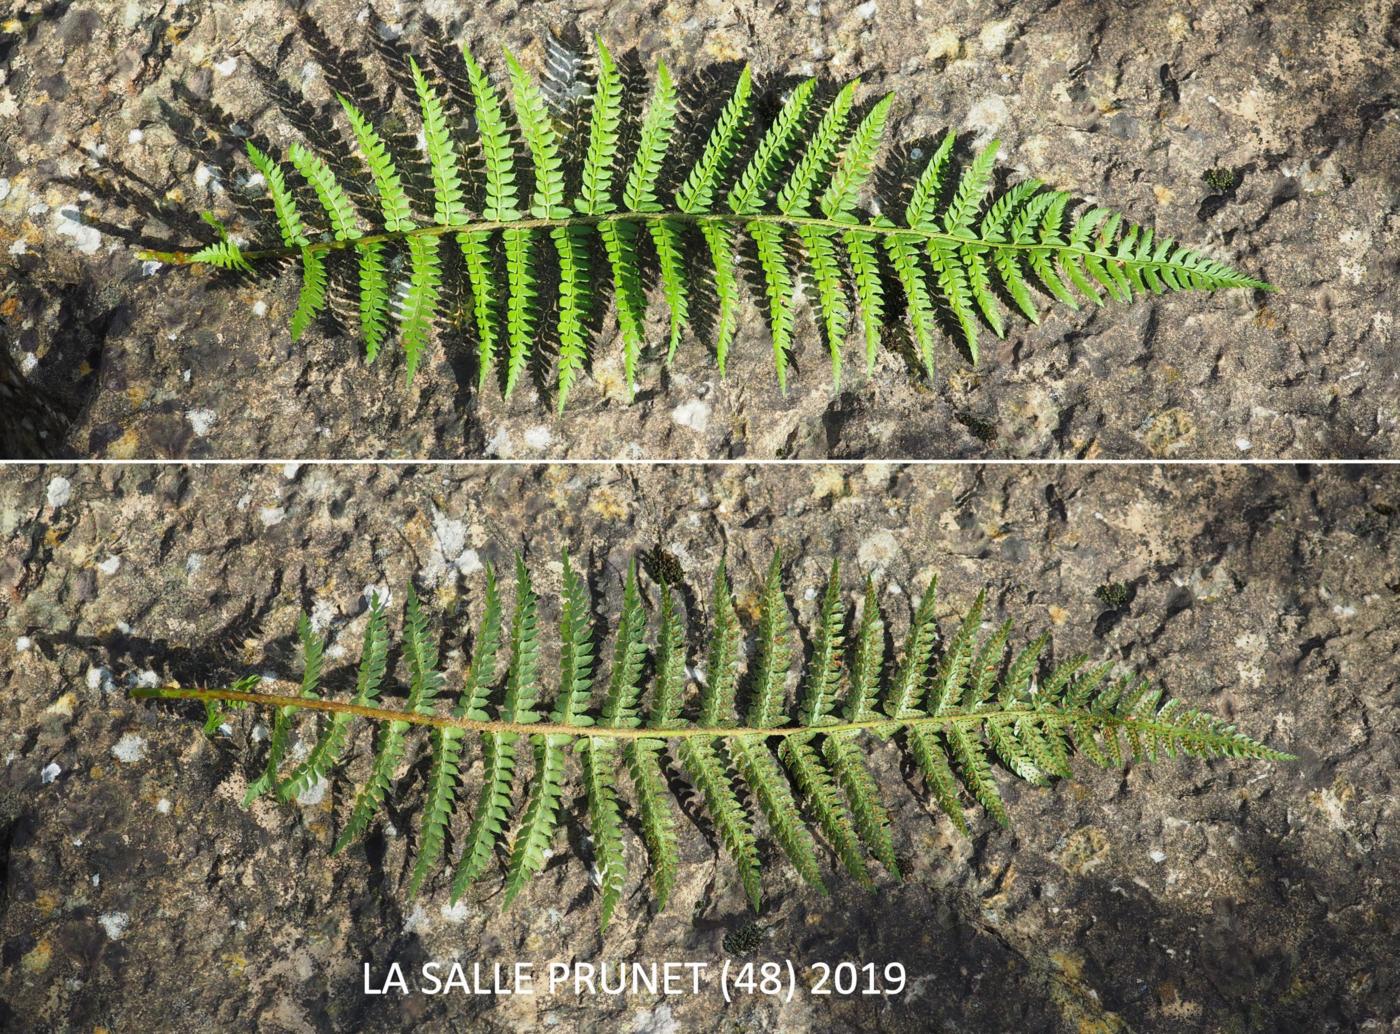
(675, 702)
(787, 196)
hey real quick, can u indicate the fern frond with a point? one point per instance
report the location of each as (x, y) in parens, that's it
(906, 694)
(774, 661)
(807, 776)
(793, 187)
(312, 651)
(721, 246)
(574, 304)
(419, 304)
(498, 748)
(819, 244)
(502, 199)
(620, 241)
(393, 200)
(905, 257)
(796, 194)
(967, 199)
(722, 663)
(747, 196)
(284, 204)
(639, 192)
(575, 680)
(334, 201)
(697, 192)
(644, 756)
(777, 280)
(520, 306)
(542, 142)
(923, 201)
(870, 293)
(330, 744)
(312, 300)
(599, 164)
(666, 236)
(374, 297)
(857, 162)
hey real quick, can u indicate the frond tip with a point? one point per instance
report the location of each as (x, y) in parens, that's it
(969, 712)
(793, 193)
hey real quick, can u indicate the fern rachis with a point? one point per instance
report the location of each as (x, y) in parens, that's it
(956, 713)
(789, 194)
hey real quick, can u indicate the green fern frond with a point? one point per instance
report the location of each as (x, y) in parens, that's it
(797, 180)
(697, 192)
(312, 300)
(448, 197)
(393, 200)
(959, 710)
(283, 203)
(599, 164)
(747, 196)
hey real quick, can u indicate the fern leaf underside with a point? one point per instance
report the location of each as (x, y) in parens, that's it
(787, 198)
(969, 713)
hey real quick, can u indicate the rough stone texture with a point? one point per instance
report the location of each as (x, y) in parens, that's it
(1185, 896)
(115, 118)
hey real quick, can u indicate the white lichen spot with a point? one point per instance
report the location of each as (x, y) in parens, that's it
(260, 308)
(417, 921)
(1243, 444)
(500, 445)
(111, 565)
(147, 679)
(100, 679)
(944, 43)
(19, 247)
(381, 592)
(1157, 855)
(656, 1021)
(115, 923)
(227, 66)
(538, 438)
(193, 563)
(272, 515)
(49, 773)
(456, 912)
(135, 136)
(469, 562)
(4, 188)
(985, 118)
(60, 491)
(163, 806)
(313, 794)
(289, 470)
(23, 643)
(129, 749)
(68, 223)
(201, 420)
(995, 35)
(694, 415)
(866, 10)
(877, 550)
(322, 614)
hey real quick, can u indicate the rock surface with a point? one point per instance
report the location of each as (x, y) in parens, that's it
(1183, 896)
(120, 121)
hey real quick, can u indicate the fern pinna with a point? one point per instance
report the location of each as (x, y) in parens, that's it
(784, 199)
(956, 706)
